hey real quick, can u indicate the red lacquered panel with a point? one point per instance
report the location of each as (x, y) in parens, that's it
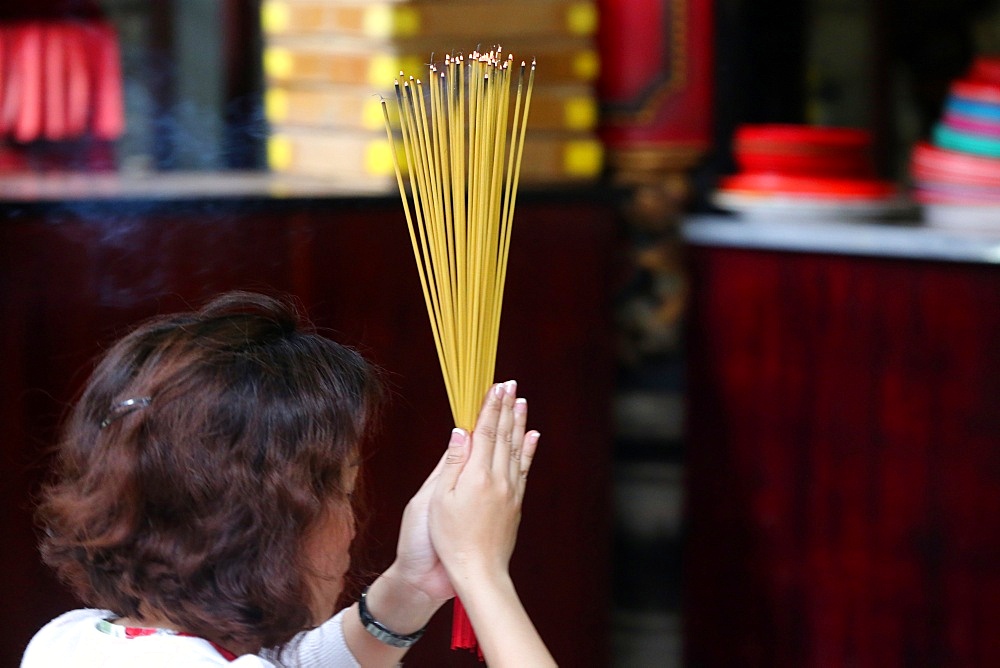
(844, 462)
(74, 276)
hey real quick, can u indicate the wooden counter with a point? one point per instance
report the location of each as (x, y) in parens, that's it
(82, 259)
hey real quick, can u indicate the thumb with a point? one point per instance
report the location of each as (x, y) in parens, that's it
(454, 459)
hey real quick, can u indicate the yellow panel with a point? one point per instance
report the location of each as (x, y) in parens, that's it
(581, 18)
(383, 69)
(279, 153)
(587, 65)
(274, 16)
(276, 105)
(406, 22)
(580, 113)
(583, 158)
(371, 115)
(277, 62)
(412, 64)
(378, 159)
(377, 21)
(384, 21)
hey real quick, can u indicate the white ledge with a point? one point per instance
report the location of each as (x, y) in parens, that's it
(910, 240)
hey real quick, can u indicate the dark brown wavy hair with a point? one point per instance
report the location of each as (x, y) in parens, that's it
(197, 505)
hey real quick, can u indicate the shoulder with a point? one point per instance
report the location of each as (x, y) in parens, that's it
(68, 624)
(59, 635)
(324, 646)
(73, 640)
(75, 618)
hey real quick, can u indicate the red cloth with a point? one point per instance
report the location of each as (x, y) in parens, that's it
(60, 80)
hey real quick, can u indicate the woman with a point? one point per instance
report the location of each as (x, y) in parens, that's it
(202, 506)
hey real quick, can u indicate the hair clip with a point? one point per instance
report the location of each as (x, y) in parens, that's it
(124, 408)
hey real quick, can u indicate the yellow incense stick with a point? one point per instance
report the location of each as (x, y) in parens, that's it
(463, 149)
(463, 163)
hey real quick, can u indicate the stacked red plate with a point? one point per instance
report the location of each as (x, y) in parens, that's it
(805, 171)
(956, 176)
(801, 150)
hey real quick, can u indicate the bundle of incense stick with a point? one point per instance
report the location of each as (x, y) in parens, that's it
(463, 153)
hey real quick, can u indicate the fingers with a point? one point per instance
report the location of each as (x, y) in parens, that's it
(451, 465)
(484, 436)
(528, 454)
(501, 443)
(505, 430)
(517, 438)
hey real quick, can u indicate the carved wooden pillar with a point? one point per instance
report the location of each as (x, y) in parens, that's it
(656, 95)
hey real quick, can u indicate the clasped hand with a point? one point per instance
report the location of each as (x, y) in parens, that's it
(461, 526)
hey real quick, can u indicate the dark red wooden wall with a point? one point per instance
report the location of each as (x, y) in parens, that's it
(844, 461)
(73, 276)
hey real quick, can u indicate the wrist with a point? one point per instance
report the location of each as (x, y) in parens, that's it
(475, 569)
(398, 604)
(473, 581)
(380, 631)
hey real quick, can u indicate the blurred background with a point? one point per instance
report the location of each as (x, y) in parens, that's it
(753, 292)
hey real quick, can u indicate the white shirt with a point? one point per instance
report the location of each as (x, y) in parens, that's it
(73, 640)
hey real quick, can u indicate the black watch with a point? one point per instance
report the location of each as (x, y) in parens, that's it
(379, 631)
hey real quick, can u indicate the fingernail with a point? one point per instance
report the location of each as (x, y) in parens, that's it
(521, 405)
(498, 390)
(458, 436)
(510, 387)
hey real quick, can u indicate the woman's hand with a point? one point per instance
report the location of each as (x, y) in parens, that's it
(417, 563)
(456, 537)
(475, 508)
(478, 520)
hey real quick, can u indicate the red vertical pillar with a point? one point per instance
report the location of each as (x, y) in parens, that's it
(656, 79)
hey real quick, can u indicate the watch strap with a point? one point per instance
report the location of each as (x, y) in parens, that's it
(381, 632)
